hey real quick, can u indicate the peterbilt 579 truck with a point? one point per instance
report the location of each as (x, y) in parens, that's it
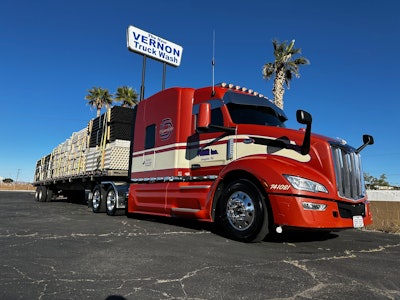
(218, 154)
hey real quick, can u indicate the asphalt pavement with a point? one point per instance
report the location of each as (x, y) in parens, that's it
(61, 250)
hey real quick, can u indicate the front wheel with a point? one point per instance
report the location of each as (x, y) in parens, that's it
(242, 212)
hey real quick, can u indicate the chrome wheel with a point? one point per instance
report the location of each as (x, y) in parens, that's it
(111, 201)
(240, 210)
(96, 200)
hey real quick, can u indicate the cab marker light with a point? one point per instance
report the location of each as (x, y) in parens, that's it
(243, 89)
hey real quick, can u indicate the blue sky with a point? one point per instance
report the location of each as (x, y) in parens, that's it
(52, 52)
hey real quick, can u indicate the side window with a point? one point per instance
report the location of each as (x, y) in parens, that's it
(150, 138)
(216, 117)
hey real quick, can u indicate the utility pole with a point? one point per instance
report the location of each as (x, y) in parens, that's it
(16, 180)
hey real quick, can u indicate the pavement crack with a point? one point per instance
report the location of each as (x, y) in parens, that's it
(43, 236)
(301, 266)
(380, 248)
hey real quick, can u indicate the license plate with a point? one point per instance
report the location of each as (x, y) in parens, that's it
(358, 221)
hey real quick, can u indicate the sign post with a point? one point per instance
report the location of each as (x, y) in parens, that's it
(150, 45)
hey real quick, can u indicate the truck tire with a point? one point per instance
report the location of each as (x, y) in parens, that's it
(98, 204)
(37, 193)
(111, 201)
(49, 195)
(42, 194)
(242, 212)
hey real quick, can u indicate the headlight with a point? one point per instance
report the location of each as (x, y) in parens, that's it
(303, 184)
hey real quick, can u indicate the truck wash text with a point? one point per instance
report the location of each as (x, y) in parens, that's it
(156, 47)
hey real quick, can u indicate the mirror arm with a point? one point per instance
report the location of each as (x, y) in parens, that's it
(368, 140)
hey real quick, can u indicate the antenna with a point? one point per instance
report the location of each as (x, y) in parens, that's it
(213, 64)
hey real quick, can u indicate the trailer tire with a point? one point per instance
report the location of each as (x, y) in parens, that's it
(42, 194)
(49, 195)
(37, 193)
(242, 212)
(98, 203)
(111, 201)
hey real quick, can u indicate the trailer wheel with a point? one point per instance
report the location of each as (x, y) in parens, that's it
(97, 200)
(111, 201)
(242, 212)
(42, 194)
(49, 195)
(37, 193)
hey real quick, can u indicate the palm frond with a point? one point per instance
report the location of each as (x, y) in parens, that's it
(285, 64)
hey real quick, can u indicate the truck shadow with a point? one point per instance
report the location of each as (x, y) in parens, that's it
(288, 236)
(179, 222)
(298, 236)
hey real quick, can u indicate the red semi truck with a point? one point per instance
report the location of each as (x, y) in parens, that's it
(217, 154)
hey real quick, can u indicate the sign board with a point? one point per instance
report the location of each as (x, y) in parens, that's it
(148, 44)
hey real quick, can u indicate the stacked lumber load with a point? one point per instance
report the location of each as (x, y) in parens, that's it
(109, 140)
(114, 156)
(42, 170)
(102, 146)
(77, 153)
(60, 159)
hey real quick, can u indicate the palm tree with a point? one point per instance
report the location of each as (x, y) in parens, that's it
(284, 67)
(127, 96)
(98, 98)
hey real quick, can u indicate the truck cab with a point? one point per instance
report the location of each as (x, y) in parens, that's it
(223, 154)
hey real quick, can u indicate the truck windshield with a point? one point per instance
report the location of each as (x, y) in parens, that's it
(250, 114)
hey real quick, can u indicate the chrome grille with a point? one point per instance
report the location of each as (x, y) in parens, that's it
(348, 170)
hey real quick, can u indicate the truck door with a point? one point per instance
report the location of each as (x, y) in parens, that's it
(210, 151)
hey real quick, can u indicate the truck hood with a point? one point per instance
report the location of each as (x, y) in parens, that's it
(283, 137)
(285, 144)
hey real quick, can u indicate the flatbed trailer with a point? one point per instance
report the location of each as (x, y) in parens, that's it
(92, 159)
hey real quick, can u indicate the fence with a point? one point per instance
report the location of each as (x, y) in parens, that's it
(385, 207)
